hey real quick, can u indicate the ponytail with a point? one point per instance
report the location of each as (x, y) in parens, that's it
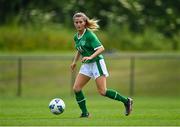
(90, 23)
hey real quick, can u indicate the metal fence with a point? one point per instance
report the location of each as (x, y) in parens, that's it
(20, 62)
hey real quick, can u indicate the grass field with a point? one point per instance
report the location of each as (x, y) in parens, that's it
(34, 111)
(156, 94)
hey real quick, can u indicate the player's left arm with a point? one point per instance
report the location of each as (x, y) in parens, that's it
(98, 51)
(96, 45)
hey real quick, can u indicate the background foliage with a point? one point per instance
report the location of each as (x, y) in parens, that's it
(135, 24)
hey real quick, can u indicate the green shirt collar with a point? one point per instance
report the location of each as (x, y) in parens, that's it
(82, 34)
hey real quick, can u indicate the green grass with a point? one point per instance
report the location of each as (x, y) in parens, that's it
(34, 111)
(156, 93)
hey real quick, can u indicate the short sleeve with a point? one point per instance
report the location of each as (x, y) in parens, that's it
(75, 37)
(95, 43)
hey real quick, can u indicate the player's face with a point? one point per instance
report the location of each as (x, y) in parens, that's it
(79, 23)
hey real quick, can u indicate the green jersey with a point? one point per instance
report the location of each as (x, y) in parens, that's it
(87, 45)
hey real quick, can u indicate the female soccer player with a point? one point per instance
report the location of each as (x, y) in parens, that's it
(93, 65)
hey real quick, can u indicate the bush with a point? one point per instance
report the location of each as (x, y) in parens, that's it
(122, 38)
(54, 37)
(28, 38)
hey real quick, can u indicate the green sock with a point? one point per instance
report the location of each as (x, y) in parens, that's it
(116, 96)
(81, 100)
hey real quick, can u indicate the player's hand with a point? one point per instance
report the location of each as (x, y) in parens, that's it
(84, 59)
(73, 66)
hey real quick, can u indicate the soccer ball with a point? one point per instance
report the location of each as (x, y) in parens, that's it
(57, 106)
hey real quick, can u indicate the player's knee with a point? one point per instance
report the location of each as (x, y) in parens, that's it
(102, 92)
(76, 89)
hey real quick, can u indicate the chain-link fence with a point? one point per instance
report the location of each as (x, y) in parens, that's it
(134, 74)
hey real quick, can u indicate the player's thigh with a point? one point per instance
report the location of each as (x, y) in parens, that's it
(101, 84)
(80, 82)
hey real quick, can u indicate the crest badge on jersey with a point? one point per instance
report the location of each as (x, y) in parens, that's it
(83, 42)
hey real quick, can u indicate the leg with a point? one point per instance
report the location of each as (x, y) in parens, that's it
(101, 86)
(80, 82)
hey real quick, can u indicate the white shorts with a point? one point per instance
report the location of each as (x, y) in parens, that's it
(95, 69)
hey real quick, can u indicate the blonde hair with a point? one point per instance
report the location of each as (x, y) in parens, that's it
(90, 23)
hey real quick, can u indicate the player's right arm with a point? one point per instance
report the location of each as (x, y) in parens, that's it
(76, 58)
